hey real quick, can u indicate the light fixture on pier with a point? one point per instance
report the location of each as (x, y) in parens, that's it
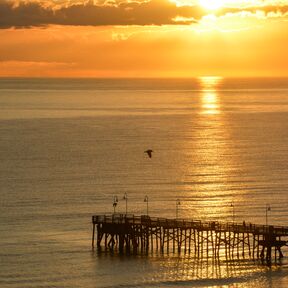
(115, 202)
(125, 197)
(268, 209)
(147, 201)
(233, 211)
(177, 207)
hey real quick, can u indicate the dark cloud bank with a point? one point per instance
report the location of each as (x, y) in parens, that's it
(153, 12)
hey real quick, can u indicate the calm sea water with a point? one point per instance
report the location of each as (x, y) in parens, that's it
(68, 146)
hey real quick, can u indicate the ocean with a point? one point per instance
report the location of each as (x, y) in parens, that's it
(69, 146)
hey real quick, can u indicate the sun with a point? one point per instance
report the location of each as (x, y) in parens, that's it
(212, 4)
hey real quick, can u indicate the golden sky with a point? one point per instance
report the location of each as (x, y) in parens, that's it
(136, 38)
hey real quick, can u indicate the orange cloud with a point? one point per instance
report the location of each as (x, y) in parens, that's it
(266, 10)
(153, 12)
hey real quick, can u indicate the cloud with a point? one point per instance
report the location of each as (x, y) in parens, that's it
(268, 10)
(152, 12)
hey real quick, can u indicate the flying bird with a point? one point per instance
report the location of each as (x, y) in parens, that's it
(149, 152)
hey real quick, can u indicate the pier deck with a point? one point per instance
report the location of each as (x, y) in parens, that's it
(209, 237)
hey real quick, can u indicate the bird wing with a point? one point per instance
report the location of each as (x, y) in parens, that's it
(149, 152)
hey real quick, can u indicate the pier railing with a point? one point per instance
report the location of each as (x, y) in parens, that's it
(218, 226)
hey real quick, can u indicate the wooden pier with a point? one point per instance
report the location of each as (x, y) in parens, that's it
(210, 238)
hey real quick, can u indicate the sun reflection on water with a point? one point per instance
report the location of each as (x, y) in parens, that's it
(210, 168)
(210, 83)
(209, 99)
(210, 103)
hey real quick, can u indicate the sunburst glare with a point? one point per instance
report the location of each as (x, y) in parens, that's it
(212, 4)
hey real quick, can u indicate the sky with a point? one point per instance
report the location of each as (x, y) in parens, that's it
(144, 38)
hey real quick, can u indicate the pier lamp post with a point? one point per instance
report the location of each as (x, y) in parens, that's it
(233, 211)
(125, 197)
(177, 207)
(268, 209)
(115, 202)
(147, 201)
